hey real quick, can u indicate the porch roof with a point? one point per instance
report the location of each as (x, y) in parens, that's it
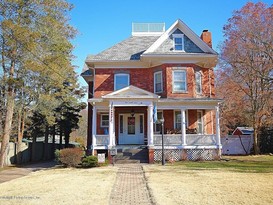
(131, 92)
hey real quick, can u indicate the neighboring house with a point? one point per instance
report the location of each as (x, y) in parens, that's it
(155, 74)
(243, 131)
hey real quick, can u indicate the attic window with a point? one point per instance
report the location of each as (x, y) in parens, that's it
(178, 42)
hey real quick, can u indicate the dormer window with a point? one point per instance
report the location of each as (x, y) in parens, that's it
(178, 42)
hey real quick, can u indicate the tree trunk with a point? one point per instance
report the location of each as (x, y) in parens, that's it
(61, 139)
(53, 143)
(7, 127)
(33, 150)
(45, 157)
(19, 138)
(256, 142)
(66, 138)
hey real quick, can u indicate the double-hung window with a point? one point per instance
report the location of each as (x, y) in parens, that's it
(198, 82)
(122, 80)
(179, 81)
(178, 42)
(178, 118)
(158, 84)
(104, 120)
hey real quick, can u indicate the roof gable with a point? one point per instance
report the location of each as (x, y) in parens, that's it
(131, 92)
(190, 38)
(167, 45)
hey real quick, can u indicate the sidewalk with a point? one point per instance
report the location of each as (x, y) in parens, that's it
(130, 186)
(16, 172)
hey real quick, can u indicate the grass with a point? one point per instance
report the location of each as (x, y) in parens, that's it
(259, 164)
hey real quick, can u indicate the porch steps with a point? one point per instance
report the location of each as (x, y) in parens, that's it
(129, 155)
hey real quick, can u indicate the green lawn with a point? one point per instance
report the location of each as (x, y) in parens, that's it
(259, 164)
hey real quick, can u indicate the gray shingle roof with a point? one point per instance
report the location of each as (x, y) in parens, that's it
(129, 49)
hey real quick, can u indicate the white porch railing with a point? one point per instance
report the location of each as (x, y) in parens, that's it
(191, 139)
(170, 139)
(197, 139)
(102, 139)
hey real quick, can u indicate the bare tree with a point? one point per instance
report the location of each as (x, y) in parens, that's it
(245, 79)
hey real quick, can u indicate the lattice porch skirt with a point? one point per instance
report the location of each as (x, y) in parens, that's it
(189, 154)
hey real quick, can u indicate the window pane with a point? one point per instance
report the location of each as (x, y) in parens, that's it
(131, 125)
(178, 41)
(179, 80)
(158, 87)
(177, 120)
(141, 124)
(198, 82)
(178, 47)
(121, 124)
(104, 120)
(179, 75)
(180, 86)
(122, 81)
(158, 82)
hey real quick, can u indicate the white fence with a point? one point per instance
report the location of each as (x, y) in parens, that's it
(237, 145)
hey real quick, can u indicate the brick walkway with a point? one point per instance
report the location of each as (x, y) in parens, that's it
(130, 186)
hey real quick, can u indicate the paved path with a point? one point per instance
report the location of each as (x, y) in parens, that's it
(16, 172)
(130, 186)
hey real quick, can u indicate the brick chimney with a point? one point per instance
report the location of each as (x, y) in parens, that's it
(206, 37)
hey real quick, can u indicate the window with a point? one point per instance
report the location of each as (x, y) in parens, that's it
(200, 127)
(141, 124)
(121, 124)
(104, 120)
(177, 119)
(158, 85)
(179, 81)
(178, 42)
(121, 81)
(198, 82)
(157, 127)
(131, 126)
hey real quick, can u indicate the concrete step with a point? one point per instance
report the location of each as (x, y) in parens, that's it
(128, 161)
(140, 155)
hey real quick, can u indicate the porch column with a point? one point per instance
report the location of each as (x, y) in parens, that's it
(218, 139)
(183, 126)
(94, 128)
(150, 126)
(111, 125)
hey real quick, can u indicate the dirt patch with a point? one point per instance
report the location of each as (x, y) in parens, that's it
(60, 186)
(171, 185)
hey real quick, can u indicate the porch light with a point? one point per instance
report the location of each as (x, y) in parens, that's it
(132, 113)
(162, 132)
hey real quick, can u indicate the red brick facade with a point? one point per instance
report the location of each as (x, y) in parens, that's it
(144, 78)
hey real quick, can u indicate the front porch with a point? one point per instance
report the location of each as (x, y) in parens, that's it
(190, 125)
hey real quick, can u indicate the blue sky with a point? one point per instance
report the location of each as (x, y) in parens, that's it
(103, 23)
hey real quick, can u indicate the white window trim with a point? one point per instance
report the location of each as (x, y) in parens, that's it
(186, 87)
(202, 121)
(121, 74)
(186, 116)
(178, 36)
(101, 125)
(200, 73)
(161, 88)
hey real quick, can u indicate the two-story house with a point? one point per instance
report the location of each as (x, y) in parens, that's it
(152, 76)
